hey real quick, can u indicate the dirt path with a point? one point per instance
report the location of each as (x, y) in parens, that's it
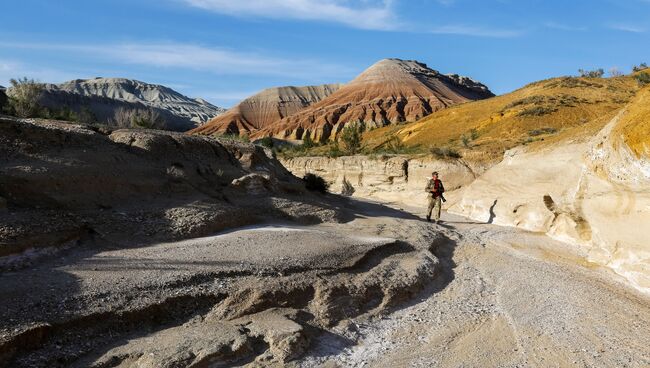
(507, 298)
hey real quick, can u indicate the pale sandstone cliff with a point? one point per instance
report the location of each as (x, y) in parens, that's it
(386, 178)
(593, 193)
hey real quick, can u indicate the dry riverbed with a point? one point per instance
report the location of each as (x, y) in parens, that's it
(507, 298)
(385, 289)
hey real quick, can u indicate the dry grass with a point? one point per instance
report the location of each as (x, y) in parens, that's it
(635, 124)
(565, 108)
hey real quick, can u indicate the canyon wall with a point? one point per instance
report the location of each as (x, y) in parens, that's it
(593, 193)
(387, 178)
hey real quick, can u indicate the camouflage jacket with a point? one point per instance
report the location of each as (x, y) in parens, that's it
(431, 185)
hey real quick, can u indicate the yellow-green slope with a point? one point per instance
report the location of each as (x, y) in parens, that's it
(543, 111)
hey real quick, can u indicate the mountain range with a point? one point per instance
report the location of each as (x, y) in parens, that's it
(104, 96)
(264, 108)
(390, 91)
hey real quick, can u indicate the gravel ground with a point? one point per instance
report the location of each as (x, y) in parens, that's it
(508, 298)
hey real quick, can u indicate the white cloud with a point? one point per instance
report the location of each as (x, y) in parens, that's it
(465, 30)
(627, 28)
(564, 27)
(363, 14)
(196, 57)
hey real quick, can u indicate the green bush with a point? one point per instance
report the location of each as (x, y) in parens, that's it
(266, 142)
(307, 142)
(465, 140)
(642, 78)
(334, 150)
(597, 73)
(315, 183)
(474, 134)
(23, 98)
(640, 67)
(351, 138)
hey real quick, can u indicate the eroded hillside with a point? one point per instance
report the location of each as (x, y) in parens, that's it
(548, 111)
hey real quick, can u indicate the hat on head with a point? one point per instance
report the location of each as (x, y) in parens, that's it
(434, 173)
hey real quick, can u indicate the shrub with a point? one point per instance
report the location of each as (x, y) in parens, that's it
(536, 111)
(597, 73)
(315, 183)
(534, 100)
(137, 118)
(541, 131)
(640, 67)
(351, 138)
(615, 72)
(233, 137)
(347, 189)
(307, 142)
(642, 78)
(445, 152)
(335, 150)
(266, 142)
(65, 113)
(474, 134)
(23, 98)
(465, 139)
(85, 116)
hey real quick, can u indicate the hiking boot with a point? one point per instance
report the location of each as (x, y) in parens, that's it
(428, 219)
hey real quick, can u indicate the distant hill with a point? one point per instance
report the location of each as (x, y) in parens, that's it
(103, 96)
(390, 91)
(265, 108)
(540, 113)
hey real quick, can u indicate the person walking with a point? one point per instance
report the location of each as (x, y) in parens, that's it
(435, 189)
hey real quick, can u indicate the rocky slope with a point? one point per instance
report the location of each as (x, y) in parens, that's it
(102, 96)
(390, 91)
(263, 109)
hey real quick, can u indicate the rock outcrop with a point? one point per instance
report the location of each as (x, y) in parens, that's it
(265, 108)
(390, 91)
(594, 193)
(103, 96)
(397, 179)
(60, 180)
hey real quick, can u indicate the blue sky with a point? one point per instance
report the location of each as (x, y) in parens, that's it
(226, 50)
